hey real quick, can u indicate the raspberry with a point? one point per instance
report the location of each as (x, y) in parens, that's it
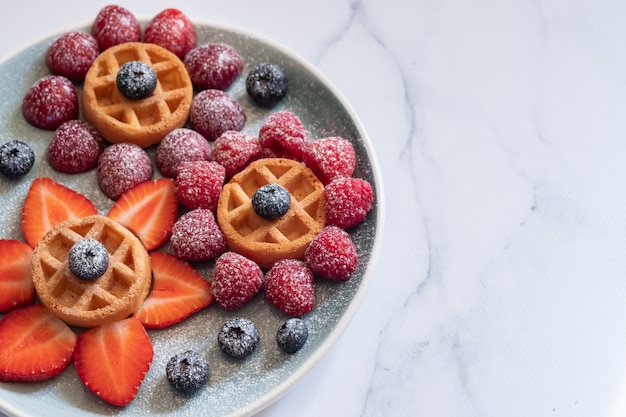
(284, 135)
(114, 25)
(172, 30)
(49, 102)
(331, 254)
(121, 167)
(213, 65)
(213, 112)
(199, 183)
(266, 84)
(196, 236)
(235, 280)
(71, 55)
(75, 147)
(181, 145)
(290, 287)
(348, 200)
(235, 150)
(330, 158)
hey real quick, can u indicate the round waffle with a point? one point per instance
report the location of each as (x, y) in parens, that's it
(113, 296)
(263, 240)
(145, 121)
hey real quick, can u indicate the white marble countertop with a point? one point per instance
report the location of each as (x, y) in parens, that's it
(500, 129)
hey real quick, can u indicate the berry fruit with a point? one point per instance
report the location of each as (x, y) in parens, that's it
(75, 147)
(181, 145)
(16, 278)
(122, 166)
(213, 66)
(136, 80)
(235, 150)
(284, 135)
(213, 112)
(292, 335)
(271, 201)
(348, 200)
(172, 30)
(267, 83)
(187, 372)
(88, 259)
(196, 236)
(290, 287)
(16, 158)
(114, 25)
(331, 254)
(199, 183)
(49, 102)
(235, 280)
(71, 55)
(330, 158)
(238, 337)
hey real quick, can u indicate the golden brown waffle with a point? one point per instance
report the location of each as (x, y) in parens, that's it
(113, 296)
(146, 121)
(263, 240)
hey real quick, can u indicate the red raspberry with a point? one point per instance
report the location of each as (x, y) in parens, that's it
(348, 200)
(199, 183)
(290, 287)
(196, 236)
(330, 158)
(235, 150)
(71, 55)
(181, 145)
(75, 147)
(332, 254)
(284, 135)
(213, 65)
(114, 25)
(122, 166)
(172, 30)
(213, 112)
(235, 280)
(51, 101)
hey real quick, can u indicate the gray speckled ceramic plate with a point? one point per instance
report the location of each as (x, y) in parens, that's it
(235, 388)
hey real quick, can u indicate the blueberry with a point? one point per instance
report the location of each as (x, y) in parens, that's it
(88, 259)
(136, 80)
(238, 337)
(16, 158)
(187, 372)
(271, 201)
(292, 335)
(266, 83)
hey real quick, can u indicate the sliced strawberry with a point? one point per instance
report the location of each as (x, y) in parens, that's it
(16, 279)
(112, 360)
(48, 203)
(34, 345)
(148, 210)
(178, 291)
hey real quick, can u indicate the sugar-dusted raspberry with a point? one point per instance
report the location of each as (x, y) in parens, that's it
(235, 280)
(199, 183)
(234, 150)
(332, 254)
(181, 145)
(196, 237)
(49, 102)
(213, 112)
(290, 287)
(348, 200)
(71, 55)
(75, 147)
(114, 25)
(122, 166)
(213, 65)
(172, 30)
(330, 158)
(284, 135)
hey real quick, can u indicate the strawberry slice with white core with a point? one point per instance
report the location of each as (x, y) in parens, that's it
(49, 203)
(178, 291)
(148, 210)
(16, 278)
(112, 360)
(35, 345)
